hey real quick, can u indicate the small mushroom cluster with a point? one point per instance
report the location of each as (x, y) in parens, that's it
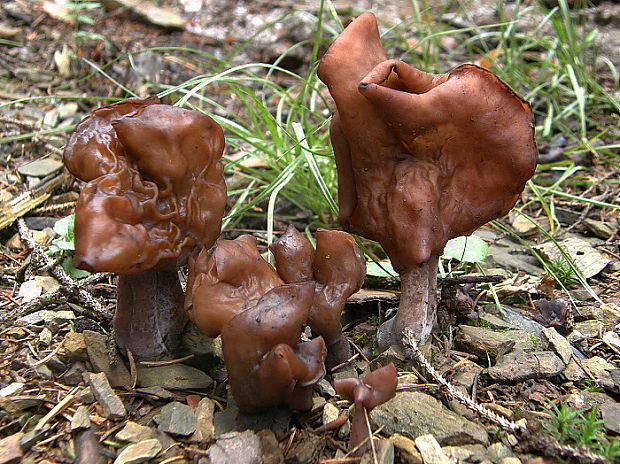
(261, 311)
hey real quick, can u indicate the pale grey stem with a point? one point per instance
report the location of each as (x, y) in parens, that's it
(417, 310)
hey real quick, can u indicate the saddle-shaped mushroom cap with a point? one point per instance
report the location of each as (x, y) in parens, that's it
(421, 158)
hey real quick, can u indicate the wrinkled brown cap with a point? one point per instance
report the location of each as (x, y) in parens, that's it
(421, 158)
(155, 187)
(368, 392)
(338, 266)
(227, 282)
(266, 363)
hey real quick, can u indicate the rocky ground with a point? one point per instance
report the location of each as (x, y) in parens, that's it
(67, 394)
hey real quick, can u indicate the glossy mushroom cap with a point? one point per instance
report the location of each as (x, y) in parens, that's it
(294, 255)
(155, 186)
(226, 283)
(366, 393)
(266, 363)
(421, 158)
(337, 266)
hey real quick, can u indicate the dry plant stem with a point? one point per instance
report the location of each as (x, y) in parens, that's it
(149, 315)
(520, 430)
(57, 271)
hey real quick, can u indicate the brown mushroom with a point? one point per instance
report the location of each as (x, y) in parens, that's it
(266, 363)
(226, 283)
(155, 192)
(366, 393)
(421, 159)
(337, 266)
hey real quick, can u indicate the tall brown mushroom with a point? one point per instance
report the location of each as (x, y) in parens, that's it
(227, 282)
(337, 266)
(266, 363)
(155, 191)
(421, 159)
(366, 393)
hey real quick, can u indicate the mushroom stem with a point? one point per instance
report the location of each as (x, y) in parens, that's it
(417, 309)
(149, 314)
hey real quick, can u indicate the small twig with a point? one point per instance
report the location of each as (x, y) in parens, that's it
(166, 362)
(57, 271)
(488, 279)
(61, 406)
(49, 356)
(49, 298)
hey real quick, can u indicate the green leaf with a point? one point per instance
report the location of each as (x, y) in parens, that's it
(73, 272)
(470, 249)
(380, 269)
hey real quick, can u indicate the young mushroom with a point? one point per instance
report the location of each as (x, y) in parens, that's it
(266, 363)
(155, 192)
(337, 266)
(227, 282)
(421, 159)
(366, 393)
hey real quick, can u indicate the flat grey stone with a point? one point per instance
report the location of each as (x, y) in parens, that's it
(430, 450)
(86, 396)
(45, 316)
(134, 433)
(202, 347)
(81, 419)
(137, 453)
(330, 413)
(413, 413)
(611, 416)
(205, 428)
(173, 377)
(466, 453)
(40, 168)
(270, 447)
(551, 339)
(590, 328)
(235, 448)
(496, 322)
(98, 349)
(159, 392)
(483, 342)
(520, 321)
(177, 419)
(75, 374)
(113, 407)
(407, 450)
(520, 365)
(587, 259)
(325, 389)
